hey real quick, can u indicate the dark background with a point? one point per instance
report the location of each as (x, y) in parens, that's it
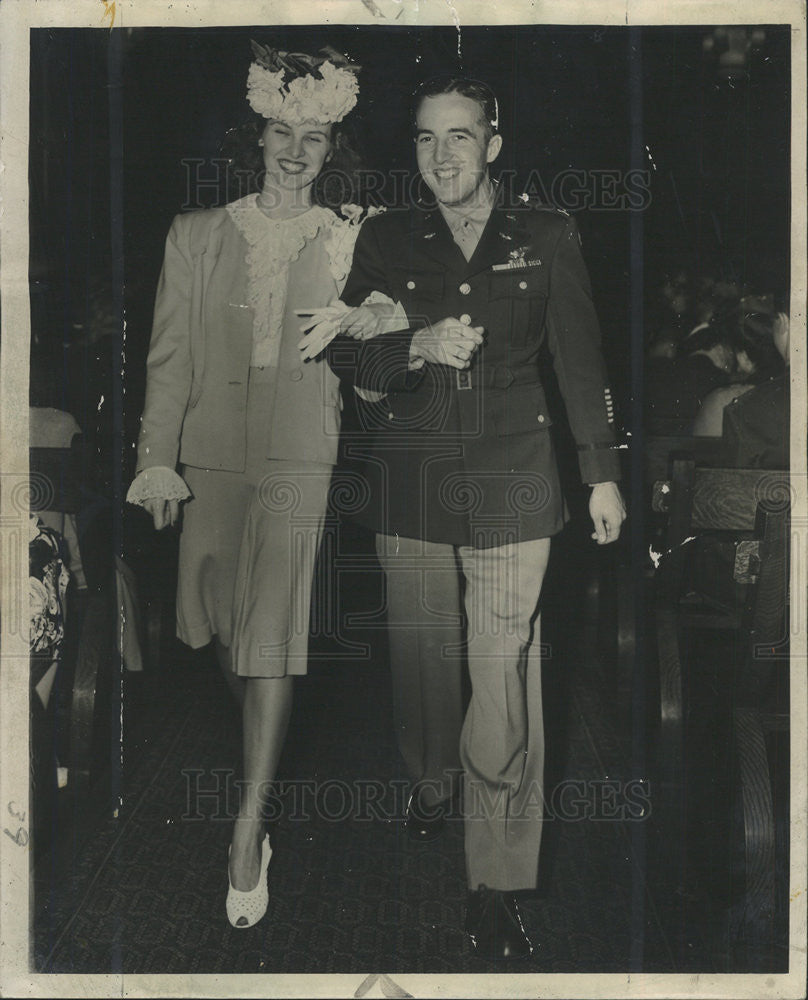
(716, 149)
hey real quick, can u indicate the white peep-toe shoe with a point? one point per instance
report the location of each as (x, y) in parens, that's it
(244, 909)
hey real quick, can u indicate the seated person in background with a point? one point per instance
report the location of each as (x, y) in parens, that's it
(49, 427)
(663, 347)
(754, 428)
(710, 300)
(686, 303)
(668, 315)
(756, 424)
(757, 361)
(688, 359)
(675, 390)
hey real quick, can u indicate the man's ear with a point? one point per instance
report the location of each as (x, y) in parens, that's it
(494, 146)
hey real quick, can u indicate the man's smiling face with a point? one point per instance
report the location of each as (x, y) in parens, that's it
(453, 147)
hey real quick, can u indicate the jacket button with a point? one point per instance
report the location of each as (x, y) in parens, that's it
(540, 418)
(465, 288)
(296, 375)
(410, 285)
(523, 285)
(465, 319)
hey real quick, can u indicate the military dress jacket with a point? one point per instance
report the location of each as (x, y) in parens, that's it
(466, 458)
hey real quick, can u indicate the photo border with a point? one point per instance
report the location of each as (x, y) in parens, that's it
(17, 17)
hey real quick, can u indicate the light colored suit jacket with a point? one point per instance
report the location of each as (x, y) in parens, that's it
(199, 360)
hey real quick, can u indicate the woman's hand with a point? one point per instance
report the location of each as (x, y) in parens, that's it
(163, 512)
(321, 326)
(361, 323)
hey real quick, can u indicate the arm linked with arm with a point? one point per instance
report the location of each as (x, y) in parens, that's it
(382, 363)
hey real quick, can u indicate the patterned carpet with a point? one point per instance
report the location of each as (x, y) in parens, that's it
(143, 891)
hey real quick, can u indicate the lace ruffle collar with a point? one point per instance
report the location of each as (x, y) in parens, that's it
(272, 245)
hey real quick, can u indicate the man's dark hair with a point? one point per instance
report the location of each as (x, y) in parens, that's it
(475, 90)
(718, 332)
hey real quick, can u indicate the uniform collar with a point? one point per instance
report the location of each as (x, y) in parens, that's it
(477, 214)
(504, 232)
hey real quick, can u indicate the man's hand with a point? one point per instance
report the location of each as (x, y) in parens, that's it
(163, 512)
(608, 512)
(448, 342)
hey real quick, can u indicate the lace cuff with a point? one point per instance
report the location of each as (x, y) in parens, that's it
(157, 483)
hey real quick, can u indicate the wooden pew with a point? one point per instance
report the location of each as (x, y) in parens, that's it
(657, 452)
(626, 579)
(756, 503)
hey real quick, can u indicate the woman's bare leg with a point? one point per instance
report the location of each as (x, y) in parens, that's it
(234, 682)
(267, 707)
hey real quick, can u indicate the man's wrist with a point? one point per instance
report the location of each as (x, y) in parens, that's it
(417, 360)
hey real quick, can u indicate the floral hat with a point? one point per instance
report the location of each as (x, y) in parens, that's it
(298, 88)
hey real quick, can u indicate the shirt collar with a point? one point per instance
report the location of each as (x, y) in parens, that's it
(476, 215)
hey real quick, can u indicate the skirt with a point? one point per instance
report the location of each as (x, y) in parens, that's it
(248, 549)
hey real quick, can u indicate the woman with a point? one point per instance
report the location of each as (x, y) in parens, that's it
(755, 338)
(252, 421)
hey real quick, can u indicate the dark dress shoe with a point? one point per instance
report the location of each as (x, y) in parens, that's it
(495, 927)
(425, 823)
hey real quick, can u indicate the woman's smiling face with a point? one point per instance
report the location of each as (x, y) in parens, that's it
(295, 154)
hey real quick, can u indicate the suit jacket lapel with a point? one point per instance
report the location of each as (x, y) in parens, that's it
(222, 246)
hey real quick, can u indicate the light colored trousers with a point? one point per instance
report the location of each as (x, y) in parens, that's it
(500, 744)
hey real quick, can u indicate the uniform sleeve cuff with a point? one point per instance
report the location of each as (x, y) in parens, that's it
(600, 466)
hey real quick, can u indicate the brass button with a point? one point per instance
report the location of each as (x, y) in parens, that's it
(410, 285)
(465, 319)
(296, 375)
(523, 285)
(465, 288)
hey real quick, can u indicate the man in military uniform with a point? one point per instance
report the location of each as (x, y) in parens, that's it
(464, 484)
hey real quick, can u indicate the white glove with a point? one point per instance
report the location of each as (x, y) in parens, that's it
(377, 314)
(322, 324)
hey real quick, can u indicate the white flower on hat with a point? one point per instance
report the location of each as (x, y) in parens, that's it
(304, 98)
(343, 86)
(264, 92)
